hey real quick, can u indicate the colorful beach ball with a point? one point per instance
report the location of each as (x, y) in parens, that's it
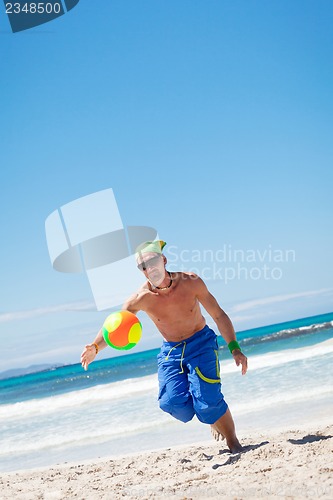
(122, 330)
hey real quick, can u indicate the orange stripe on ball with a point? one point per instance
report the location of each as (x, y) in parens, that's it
(121, 329)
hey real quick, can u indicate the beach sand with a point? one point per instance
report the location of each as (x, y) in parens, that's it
(289, 464)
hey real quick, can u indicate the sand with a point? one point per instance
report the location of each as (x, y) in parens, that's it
(289, 464)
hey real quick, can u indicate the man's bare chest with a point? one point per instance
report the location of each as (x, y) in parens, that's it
(172, 303)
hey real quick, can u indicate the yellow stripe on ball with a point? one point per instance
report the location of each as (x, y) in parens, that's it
(113, 321)
(134, 335)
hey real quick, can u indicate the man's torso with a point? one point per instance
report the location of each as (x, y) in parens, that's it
(176, 312)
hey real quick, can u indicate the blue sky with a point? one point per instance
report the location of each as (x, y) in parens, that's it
(211, 121)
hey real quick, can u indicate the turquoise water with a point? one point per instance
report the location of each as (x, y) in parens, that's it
(69, 414)
(70, 378)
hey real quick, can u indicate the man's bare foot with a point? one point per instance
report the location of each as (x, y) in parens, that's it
(224, 427)
(236, 448)
(216, 434)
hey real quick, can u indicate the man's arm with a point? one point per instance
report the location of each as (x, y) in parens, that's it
(134, 303)
(91, 350)
(222, 321)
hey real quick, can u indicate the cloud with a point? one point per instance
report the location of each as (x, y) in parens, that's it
(253, 304)
(43, 311)
(251, 317)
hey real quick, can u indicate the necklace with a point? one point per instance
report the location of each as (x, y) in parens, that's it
(165, 287)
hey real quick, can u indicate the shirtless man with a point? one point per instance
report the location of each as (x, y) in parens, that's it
(188, 365)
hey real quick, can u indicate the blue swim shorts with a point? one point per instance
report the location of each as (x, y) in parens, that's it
(189, 378)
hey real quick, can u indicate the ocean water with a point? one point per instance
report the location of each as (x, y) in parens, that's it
(67, 414)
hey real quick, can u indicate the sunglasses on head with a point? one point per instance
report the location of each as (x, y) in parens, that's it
(150, 262)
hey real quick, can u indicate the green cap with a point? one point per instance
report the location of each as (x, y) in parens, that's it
(149, 246)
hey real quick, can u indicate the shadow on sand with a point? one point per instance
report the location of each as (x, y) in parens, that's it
(234, 457)
(249, 447)
(310, 438)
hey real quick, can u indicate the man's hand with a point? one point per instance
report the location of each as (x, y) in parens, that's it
(240, 359)
(88, 355)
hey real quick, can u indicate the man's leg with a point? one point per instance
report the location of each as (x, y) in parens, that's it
(202, 361)
(225, 426)
(174, 396)
(208, 400)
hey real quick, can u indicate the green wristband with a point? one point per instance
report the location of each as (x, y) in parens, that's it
(233, 345)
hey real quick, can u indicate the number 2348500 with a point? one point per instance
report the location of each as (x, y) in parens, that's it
(33, 8)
